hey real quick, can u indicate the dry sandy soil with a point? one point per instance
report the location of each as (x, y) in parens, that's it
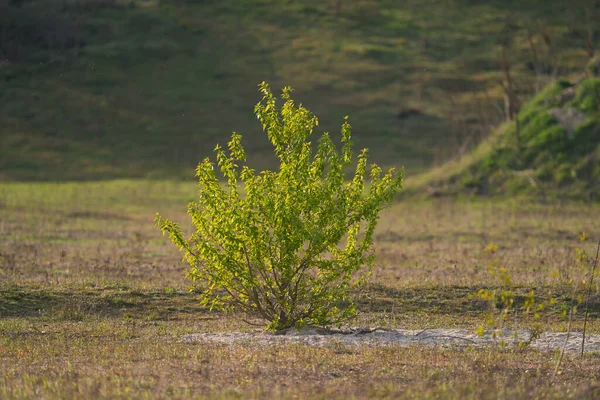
(372, 337)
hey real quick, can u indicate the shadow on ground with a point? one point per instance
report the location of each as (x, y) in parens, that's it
(102, 302)
(459, 300)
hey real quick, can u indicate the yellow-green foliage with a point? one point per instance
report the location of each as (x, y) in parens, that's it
(291, 247)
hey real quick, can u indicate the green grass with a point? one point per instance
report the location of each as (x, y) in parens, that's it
(157, 84)
(94, 302)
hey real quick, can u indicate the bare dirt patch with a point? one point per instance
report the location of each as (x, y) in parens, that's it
(385, 337)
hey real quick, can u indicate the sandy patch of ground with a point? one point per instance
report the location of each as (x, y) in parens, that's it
(377, 337)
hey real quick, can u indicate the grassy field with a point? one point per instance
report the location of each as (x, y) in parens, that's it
(152, 86)
(94, 302)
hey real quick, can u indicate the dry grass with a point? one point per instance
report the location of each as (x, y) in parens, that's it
(93, 303)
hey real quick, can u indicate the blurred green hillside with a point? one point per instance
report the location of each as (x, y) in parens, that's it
(94, 89)
(556, 153)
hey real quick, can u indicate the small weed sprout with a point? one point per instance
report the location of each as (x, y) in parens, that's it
(503, 298)
(503, 307)
(491, 248)
(289, 249)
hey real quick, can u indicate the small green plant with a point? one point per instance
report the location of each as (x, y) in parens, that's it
(288, 249)
(502, 298)
(491, 248)
(503, 308)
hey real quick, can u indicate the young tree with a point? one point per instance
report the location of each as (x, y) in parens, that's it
(286, 245)
(511, 100)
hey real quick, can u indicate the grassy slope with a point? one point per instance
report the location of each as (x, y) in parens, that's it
(553, 159)
(157, 85)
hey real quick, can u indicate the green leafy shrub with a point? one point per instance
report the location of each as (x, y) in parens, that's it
(290, 247)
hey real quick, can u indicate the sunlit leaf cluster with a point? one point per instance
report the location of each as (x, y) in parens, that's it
(287, 245)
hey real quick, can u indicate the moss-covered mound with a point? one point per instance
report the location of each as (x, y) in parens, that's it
(557, 153)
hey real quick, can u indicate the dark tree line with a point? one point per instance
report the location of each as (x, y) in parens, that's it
(28, 27)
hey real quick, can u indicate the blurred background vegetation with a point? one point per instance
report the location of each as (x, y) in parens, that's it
(99, 89)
